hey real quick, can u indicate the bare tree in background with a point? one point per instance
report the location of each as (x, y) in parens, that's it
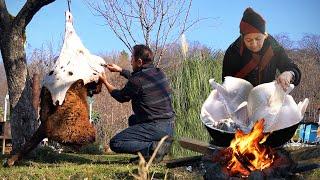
(114, 115)
(284, 40)
(157, 22)
(12, 40)
(41, 60)
(311, 43)
(3, 84)
(307, 59)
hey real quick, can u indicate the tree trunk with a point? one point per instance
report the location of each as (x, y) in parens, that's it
(12, 39)
(19, 86)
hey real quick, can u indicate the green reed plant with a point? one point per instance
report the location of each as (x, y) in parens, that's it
(190, 84)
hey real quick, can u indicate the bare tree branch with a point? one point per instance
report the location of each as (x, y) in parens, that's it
(5, 17)
(111, 22)
(160, 26)
(311, 43)
(156, 22)
(143, 23)
(30, 8)
(169, 29)
(127, 22)
(187, 15)
(118, 21)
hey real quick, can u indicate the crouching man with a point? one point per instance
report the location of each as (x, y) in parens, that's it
(153, 118)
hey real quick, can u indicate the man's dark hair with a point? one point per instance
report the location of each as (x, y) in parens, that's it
(143, 52)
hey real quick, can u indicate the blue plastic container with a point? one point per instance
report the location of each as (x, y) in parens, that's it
(308, 132)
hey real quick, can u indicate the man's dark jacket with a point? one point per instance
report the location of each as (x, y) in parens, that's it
(271, 58)
(149, 92)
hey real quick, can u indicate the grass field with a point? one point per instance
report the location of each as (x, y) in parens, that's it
(48, 164)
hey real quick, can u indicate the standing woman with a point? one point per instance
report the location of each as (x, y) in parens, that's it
(256, 56)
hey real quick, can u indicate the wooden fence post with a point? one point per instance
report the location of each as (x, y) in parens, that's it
(36, 93)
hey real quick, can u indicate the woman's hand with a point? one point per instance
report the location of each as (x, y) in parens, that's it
(284, 79)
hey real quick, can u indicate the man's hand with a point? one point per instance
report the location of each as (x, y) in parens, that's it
(103, 77)
(284, 79)
(114, 68)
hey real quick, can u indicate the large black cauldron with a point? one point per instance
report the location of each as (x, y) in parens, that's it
(277, 138)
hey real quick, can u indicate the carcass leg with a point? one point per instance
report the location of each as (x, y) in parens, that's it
(37, 137)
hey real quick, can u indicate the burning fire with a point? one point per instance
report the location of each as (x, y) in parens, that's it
(248, 153)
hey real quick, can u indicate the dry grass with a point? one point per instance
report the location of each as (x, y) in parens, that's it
(143, 168)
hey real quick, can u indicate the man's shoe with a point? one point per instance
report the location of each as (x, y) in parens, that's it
(163, 150)
(136, 160)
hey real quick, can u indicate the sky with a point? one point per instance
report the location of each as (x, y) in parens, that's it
(218, 31)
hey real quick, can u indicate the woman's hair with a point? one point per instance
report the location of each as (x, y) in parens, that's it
(142, 52)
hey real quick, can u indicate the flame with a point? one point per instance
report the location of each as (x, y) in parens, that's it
(248, 153)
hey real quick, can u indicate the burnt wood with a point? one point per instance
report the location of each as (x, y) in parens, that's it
(187, 161)
(303, 167)
(197, 146)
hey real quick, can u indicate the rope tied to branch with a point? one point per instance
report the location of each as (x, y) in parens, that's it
(69, 2)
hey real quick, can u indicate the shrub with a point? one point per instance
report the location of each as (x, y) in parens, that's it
(190, 84)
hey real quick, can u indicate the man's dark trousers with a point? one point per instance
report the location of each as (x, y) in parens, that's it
(141, 136)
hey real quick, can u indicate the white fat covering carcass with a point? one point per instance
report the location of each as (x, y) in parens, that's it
(270, 102)
(74, 62)
(225, 108)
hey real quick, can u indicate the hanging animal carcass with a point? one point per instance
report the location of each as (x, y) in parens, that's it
(64, 109)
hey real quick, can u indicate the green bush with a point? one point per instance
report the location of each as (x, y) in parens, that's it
(96, 117)
(190, 84)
